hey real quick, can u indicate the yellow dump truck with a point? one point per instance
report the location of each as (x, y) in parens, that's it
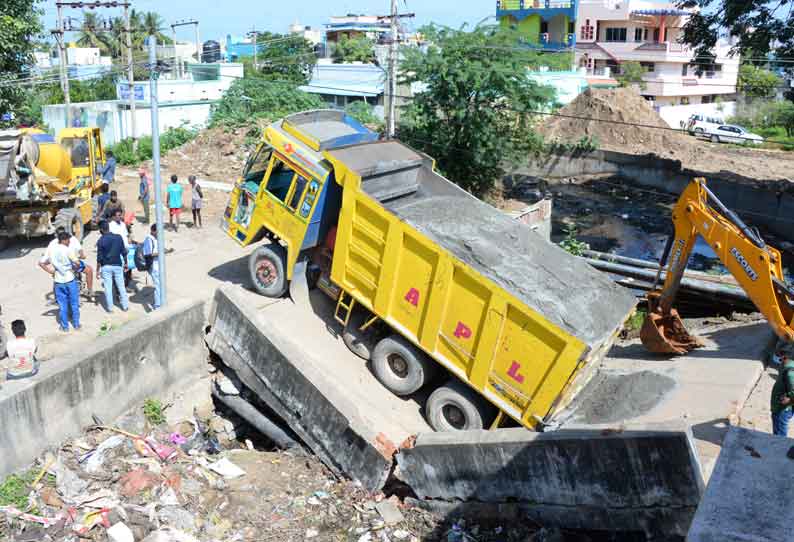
(432, 285)
(47, 182)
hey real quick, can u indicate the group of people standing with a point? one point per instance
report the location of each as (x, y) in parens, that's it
(174, 193)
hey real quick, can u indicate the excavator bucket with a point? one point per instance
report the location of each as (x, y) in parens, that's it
(666, 334)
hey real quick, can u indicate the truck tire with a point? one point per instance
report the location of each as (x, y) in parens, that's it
(361, 343)
(71, 220)
(456, 407)
(267, 265)
(400, 366)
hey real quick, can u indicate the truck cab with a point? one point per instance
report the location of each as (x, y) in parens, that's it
(287, 193)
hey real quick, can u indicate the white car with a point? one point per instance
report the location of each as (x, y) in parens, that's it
(700, 124)
(728, 133)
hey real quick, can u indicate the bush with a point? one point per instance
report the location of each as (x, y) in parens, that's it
(170, 139)
(363, 113)
(251, 99)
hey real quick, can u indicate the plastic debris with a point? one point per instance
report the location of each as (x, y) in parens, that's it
(120, 533)
(69, 485)
(93, 460)
(399, 534)
(149, 447)
(136, 481)
(177, 438)
(166, 534)
(41, 520)
(226, 468)
(91, 520)
(169, 498)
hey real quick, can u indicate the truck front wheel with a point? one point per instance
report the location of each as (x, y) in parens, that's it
(400, 366)
(266, 266)
(456, 407)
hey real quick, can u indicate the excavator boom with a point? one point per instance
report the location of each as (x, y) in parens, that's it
(755, 265)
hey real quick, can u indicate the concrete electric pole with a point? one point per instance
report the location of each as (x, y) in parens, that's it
(64, 71)
(130, 74)
(158, 184)
(392, 69)
(173, 32)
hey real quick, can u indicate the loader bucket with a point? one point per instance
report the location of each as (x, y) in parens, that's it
(666, 334)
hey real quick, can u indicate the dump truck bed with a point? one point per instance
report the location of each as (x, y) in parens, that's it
(510, 314)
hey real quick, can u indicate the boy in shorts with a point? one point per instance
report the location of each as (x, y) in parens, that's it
(174, 202)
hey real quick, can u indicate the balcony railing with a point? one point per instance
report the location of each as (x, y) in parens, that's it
(548, 42)
(503, 5)
(666, 46)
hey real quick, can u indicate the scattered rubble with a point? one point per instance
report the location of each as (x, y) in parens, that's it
(136, 483)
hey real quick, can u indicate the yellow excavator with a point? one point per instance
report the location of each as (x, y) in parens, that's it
(755, 265)
(47, 182)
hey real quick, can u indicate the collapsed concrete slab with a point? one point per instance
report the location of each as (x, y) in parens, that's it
(141, 359)
(291, 359)
(750, 494)
(642, 479)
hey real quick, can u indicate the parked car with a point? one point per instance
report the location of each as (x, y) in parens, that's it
(728, 133)
(699, 124)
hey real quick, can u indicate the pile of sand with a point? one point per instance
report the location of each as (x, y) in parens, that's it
(623, 121)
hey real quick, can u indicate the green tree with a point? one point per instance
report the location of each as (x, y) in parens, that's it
(284, 58)
(354, 50)
(631, 74)
(756, 82)
(784, 116)
(758, 27)
(19, 25)
(363, 113)
(476, 112)
(91, 34)
(256, 98)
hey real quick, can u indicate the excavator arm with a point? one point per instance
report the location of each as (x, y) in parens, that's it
(755, 265)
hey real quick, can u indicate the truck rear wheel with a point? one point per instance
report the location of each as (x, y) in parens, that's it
(456, 407)
(267, 265)
(400, 366)
(71, 221)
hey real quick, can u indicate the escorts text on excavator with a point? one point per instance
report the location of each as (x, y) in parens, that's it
(755, 265)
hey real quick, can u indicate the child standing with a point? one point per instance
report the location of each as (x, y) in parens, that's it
(22, 361)
(174, 202)
(195, 200)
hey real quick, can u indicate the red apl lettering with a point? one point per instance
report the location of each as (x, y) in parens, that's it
(513, 372)
(412, 297)
(462, 331)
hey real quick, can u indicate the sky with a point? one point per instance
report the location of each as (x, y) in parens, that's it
(218, 18)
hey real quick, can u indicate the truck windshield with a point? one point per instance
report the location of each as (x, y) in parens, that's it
(257, 165)
(78, 151)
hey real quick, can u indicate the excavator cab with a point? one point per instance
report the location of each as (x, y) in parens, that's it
(755, 265)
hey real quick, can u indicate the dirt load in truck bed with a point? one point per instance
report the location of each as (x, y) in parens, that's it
(563, 288)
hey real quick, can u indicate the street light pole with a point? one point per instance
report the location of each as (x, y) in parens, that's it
(158, 188)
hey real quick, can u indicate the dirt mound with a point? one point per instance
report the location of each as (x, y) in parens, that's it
(632, 125)
(623, 121)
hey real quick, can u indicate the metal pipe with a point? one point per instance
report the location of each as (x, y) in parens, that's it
(252, 415)
(635, 262)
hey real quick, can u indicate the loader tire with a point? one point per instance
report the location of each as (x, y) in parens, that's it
(400, 366)
(71, 221)
(456, 407)
(267, 266)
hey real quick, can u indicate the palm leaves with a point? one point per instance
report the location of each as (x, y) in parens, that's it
(109, 37)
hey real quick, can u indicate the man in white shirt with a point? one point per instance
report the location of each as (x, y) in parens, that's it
(77, 248)
(22, 361)
(118, 227)
(150, 252)
(61, 263)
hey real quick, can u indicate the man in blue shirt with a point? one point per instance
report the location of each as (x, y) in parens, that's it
(108, 171)
(174, 202)
(110, 258)
(150, 253)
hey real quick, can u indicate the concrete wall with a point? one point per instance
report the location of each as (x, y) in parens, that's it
(631, 480)
(118, 371)
(768, 203)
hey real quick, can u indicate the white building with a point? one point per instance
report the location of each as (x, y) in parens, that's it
(611, 32)
(312, 35)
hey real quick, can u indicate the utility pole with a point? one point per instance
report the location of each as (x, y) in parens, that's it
(158, 184)
(391, 120)
(392, 69)
(198, 45)
(253, 35)
(130, 74)
(176, 60)
(64, 71)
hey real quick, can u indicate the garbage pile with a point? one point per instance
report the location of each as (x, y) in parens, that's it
(186, 482)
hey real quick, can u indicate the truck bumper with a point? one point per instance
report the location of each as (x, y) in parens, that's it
(25, 224)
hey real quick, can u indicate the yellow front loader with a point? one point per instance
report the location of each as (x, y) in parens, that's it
(47, 182)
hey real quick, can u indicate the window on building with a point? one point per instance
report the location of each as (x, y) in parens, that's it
(615, 34)
(649, 67)
(684, 70)
(684, 101)
(656, 35)
(638, 34)
(544, 27)
(571, 27)
(587, 30)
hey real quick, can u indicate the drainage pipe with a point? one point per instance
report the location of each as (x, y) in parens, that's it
(252, 415)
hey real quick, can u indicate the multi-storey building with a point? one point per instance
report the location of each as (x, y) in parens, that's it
(604, 34)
